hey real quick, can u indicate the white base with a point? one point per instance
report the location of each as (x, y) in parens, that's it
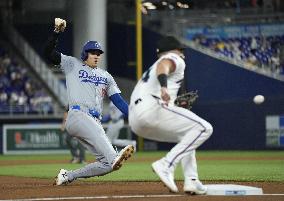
(232, 189)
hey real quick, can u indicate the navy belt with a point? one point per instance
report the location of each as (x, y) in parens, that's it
(92, 112)
(137, 101)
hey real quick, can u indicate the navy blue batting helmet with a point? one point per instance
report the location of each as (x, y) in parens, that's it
(168, 43)
(90, 45)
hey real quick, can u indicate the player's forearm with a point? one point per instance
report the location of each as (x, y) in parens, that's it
(50, 49)
(120, 103)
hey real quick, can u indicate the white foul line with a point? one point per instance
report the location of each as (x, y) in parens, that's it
(274, 194)
(115, 197)
(95, 197)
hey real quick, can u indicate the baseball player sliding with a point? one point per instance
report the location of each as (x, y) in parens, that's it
(154, 116)
(87, 85)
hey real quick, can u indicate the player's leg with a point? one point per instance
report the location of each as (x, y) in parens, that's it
(144, 118)
(189, 165)
(98, 168)
(91, 133)
(192, 183)
(182, 126)
(192, 131)
(189, 130)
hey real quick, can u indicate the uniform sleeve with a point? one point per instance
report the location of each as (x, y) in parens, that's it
(51, 54)
(67, 63)
(179, 62)
(112, 87)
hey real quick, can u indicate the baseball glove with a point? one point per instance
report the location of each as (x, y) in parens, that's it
(186, 100)
(59, 25)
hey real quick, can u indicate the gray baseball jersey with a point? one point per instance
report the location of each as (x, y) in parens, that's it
(87, 86)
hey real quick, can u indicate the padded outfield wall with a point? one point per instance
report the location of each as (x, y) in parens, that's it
(226, 92)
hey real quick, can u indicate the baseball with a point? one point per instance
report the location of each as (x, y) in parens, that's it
(258, 99)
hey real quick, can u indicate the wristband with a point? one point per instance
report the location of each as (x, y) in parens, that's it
(163, 80)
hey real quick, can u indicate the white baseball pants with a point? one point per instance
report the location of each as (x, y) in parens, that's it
(151, 119)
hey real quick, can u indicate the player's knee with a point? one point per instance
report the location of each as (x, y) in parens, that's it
(209, 129)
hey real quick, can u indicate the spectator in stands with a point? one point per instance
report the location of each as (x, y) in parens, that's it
(253, 45)
(41, 102)
(252, 60)
(260, 51)
(3, 97)
(22, 98)
(17, 88)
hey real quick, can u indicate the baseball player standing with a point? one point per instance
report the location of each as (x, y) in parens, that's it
(87, 85)
(154, 116)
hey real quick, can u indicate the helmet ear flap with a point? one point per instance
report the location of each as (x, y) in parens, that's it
(84, 55)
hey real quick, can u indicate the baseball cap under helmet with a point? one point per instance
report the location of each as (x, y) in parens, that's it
(168, 43)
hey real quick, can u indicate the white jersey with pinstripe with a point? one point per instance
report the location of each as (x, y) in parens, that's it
(149, 83)
(151, 118)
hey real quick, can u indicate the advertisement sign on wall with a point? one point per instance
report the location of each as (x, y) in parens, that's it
(236, 31)
(41, 138)
(275, 131)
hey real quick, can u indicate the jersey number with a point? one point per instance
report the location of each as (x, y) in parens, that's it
(146, 75)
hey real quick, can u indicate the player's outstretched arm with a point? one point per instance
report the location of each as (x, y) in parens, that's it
(51, 54)
(120, 103)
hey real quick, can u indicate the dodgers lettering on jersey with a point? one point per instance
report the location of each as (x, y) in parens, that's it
(149, 84)
(92, 78)
(87, 86)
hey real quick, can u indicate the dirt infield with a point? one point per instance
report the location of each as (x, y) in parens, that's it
(34, 188)
(23, 188)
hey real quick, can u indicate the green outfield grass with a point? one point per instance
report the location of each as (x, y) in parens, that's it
(212, 165)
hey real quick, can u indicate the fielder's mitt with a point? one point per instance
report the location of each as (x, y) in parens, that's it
(186, 100)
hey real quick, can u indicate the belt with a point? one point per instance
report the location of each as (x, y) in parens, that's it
(92, 112)
(138, 100)
(156, 97)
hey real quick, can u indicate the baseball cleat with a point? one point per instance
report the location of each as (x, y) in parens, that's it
(165, 174)
(123, 155)
(194, 186)
(61, 178)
